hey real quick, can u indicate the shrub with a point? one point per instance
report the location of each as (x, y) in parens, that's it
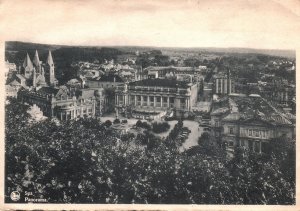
(107, 123)
(160, 127)
(146, 126)
(116, 121)
(138, 123)
(204, 138)
(141, 124)
(124, 121)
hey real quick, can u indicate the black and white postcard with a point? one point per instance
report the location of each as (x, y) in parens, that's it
(163, 105)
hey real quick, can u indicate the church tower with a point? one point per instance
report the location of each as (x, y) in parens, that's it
(27, 67)
(49, 70)
(36, 62)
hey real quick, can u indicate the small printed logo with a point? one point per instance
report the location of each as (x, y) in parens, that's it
(15, 196)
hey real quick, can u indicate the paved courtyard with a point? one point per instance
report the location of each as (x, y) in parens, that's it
(193, 137)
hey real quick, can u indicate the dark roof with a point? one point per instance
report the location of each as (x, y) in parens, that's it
(108, 78)
(161, 82)
(256, 108)
(48, 90)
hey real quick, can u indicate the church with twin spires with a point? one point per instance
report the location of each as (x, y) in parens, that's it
(38, 74)
(39, 88)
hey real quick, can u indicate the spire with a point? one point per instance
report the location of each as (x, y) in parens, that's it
(27, 62)
(49, 59)
(36, 60)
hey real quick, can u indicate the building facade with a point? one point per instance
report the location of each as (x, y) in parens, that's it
(108, 83)
(163, 72)
(105, 81)
(253, 133)
(150, 97)
(223, 85)
(250, 122)
(57, 103)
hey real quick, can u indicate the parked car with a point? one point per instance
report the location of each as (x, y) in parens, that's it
(186, 129)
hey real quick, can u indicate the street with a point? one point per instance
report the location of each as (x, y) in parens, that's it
(193, 137)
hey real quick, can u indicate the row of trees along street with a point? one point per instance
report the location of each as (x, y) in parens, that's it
(83, 162)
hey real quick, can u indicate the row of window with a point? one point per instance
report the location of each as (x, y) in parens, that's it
(251, 132)
(217, 124)
(257, 133)
(77, 112)
(151, 99)
(157, 89)
(165, 105)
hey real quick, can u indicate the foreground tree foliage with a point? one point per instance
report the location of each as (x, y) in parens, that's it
(84, 162)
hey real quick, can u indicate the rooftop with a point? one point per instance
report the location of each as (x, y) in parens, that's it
(220, 111)
(108, 78)
(161, 83)
(151, 68)
(14, 83)
(48, 90)
(255, 108)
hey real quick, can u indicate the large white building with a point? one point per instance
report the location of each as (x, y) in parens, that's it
(151, 97)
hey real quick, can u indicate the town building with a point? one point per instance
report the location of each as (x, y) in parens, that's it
(9, 68)
(11, 91)
(220, 109)
(279, 92)
(105, 81)
(163, 72)
(150, 98)
(223, 84)
(30, 74)
(109, 83)
(59, 103)
(250, 122)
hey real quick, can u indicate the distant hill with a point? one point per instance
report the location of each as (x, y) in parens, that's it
(16, 52)
(31, 47)
(271, 52)
(20, 46)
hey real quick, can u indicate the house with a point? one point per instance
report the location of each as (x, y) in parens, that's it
(250, 122)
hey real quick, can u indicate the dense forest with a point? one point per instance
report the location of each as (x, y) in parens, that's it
(82, 161)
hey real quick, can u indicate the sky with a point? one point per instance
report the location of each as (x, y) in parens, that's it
(271, 24)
